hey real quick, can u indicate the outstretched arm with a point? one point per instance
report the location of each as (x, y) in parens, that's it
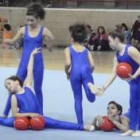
(29, 78)
(123, 125)
(112, 77)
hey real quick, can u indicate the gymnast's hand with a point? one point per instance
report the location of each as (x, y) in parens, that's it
(36, 51)
(111, 118)
(34, 115)
(131, 77)
(68, 76)
(99, 121)
(68, 73)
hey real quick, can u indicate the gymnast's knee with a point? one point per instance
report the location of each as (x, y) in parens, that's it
(91, 98)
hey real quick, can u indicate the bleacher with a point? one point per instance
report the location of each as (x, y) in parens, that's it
(117, 4)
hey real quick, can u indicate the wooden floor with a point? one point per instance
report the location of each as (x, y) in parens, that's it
(55, 59)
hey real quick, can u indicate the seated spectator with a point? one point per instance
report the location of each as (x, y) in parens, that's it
(100, 40)
(127, 33)
(118, 28)
(90, 34)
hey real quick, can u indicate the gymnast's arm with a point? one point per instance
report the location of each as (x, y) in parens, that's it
(7, 107)
(29, 79)
(91, 61)
(112, 77)
(135, 55)
(67, 62)
(48, 37)
(123, 125)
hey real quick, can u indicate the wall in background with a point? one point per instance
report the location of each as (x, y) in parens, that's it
(59, 20)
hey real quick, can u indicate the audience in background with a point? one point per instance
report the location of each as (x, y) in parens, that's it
(118, 28)
(127, 33)
(90, 34)
(100, 40)
(136, 33)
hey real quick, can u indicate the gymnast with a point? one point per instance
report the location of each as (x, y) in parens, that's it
(79, 66)
(33, 34)
(114, 114)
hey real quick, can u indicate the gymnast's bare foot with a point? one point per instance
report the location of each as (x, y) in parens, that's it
(89, 127)
(136, 134)
(128, 133)
(95, 90)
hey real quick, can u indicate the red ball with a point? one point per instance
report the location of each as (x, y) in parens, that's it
(37, 123)
(21, 123)
(107, 125)
(123, 70)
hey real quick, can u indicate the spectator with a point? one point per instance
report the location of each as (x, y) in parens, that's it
(101, 40)
(90, 34)
(136, 33)
(127, 33)
(118, 28)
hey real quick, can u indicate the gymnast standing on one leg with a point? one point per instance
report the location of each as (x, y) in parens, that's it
(25, 104)
(79, 66)
(130, 55)
(33, 35)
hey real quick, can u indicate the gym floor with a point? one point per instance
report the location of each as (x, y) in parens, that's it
(58, 97)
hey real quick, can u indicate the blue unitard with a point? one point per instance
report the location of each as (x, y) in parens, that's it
(28, 103)
(29, 45)
(134, 90)
(80, 74)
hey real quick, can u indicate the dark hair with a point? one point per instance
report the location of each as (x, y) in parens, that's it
(15, 78)
(118, 35)
(36, 10)
(119, 107)
(102, 29)
(78, 32)
(125, 26)
(7, 27)
(88, 26)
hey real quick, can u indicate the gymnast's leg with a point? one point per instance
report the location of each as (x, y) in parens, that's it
(87, 78)
(77, 91)
(52, 123)
(7, 121)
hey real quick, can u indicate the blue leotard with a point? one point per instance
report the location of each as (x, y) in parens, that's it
(134, 90)
(80, 74)
(29, 45)
(28, 103)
